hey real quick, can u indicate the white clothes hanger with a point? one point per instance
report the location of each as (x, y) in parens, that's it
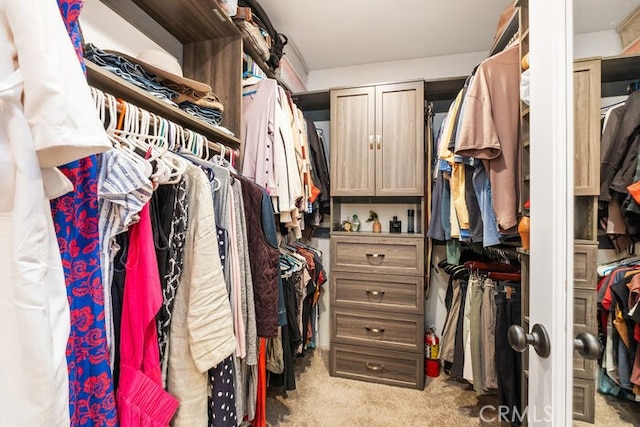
(120, 142)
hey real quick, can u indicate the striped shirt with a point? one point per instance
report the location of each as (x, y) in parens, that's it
(123, 190)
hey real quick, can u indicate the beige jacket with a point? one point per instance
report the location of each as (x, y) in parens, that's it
(202, 325)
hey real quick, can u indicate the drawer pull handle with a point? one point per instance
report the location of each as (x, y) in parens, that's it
(374, 367)
(374, 330)
(375, 293)
(375, 255)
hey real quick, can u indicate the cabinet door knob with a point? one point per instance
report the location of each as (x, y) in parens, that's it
(370, 142)
(379, 141)
(375, 255)
(374, 330)
(374, 367)
(375, 293)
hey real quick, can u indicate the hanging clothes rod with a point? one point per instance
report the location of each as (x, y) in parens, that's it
(182, 134)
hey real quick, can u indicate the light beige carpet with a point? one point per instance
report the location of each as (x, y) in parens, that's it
(321, 400)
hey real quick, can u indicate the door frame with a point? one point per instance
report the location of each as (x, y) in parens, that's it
(551, 162)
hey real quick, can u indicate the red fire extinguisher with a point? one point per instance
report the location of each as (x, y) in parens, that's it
(432, 352)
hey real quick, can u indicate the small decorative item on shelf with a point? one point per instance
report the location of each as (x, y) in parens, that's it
(355, 223)
(395, 225)
(523, 226)
(346, 225)
(410, 220)
(373, 217)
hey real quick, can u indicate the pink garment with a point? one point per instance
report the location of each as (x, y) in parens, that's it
(141, 400)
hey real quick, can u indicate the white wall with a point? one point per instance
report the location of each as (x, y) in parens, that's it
(386, 72)
(107, 30)
(601, 43)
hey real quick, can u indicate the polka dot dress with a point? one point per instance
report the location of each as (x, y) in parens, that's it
(222, 399)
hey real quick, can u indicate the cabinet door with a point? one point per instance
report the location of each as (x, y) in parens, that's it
(400, 139)
(352, 142)
(586, 94)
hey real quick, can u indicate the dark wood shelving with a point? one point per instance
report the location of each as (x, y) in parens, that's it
(620, 68)
(190, 21)
(313, 100)
(443, 89)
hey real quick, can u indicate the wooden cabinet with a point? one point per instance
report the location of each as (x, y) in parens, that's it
(586, 95)
(378, 254)
(377, 279)
(397, 294)
(377, 140)
(586, 92)
(377, 308)
(353, 159)
(382, 366)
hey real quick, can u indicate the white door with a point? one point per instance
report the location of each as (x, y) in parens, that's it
(551, 162)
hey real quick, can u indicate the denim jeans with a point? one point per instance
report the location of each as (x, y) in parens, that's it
(208, 115)
(133, 73)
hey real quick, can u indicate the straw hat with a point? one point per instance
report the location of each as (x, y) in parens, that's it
(164, 65)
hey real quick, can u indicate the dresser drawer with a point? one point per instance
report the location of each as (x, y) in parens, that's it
(585, 261)
(403, 294)
(374, 365)
(387, 255)
(381, 330)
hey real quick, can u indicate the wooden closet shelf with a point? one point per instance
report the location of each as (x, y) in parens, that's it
(315, 100)
(585, 242)
(526, 143)
(507, 34)
(439, 89)
(372, 234)
(190, 20)
(620, 68)
(253, 53)
(525, 111)
(110, 83)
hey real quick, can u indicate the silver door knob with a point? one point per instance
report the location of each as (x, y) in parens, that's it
(538, 338)
(588, 346)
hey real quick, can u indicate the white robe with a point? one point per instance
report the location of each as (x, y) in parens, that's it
(47, 118)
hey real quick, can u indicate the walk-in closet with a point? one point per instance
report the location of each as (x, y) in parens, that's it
(262, 213)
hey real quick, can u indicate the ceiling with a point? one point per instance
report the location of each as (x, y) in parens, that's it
(338, 33)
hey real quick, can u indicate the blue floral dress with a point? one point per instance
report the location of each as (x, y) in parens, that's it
(75, 215)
